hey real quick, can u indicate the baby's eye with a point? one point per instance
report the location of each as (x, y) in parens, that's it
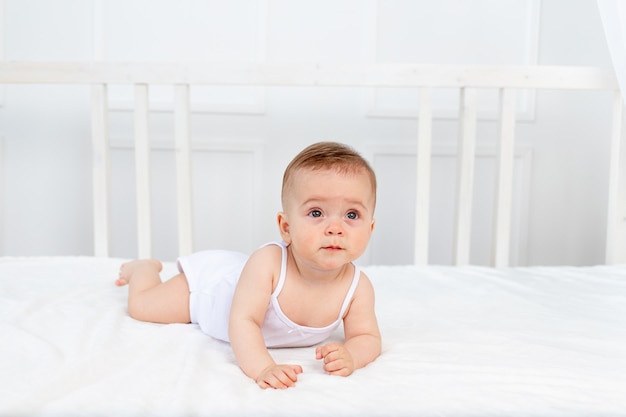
(352, 215)
(315, 213)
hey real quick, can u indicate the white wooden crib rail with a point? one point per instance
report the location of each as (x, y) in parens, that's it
(466, 79)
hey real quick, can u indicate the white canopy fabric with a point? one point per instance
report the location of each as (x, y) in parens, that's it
(613, 15)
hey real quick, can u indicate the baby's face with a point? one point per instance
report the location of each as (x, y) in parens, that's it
(329, 217)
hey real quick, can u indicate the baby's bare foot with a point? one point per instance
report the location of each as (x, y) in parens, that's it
(129, 268)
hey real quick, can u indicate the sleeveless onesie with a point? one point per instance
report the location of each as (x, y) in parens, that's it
(212, 276)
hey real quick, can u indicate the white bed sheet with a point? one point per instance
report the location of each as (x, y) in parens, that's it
(456, 342)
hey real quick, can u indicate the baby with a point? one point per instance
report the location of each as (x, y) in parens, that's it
(286, 294)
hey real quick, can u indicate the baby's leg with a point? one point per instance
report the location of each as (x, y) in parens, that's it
(149, 299)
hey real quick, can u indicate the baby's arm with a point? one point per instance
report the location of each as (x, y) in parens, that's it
(250, 302)
(363, 341)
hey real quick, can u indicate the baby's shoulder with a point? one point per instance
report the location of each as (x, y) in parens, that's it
(266, 259)
(268, 253)
(364, 286)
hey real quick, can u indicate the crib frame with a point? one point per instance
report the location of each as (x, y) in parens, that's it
(467, 79)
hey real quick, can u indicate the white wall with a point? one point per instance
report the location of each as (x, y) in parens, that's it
(248, 135)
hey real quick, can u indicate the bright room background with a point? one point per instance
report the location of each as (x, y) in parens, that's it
(243, 137)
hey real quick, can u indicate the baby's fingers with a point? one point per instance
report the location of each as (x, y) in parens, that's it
(292, 371)
(322, 351)
(338, 368)
(337, 360)
(281, 376)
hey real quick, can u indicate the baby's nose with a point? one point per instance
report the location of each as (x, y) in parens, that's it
(334, 228)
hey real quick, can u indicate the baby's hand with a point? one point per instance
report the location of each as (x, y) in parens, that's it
(279, 376)
(337, 359)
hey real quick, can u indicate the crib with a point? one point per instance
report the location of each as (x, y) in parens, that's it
(458, 339)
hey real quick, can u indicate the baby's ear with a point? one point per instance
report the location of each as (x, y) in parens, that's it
(283, 227)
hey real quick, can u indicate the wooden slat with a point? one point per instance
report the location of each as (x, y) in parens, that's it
(183, 168)
(465, 176)
(373, 75)
(616, 211)
(100, 169)
(422, 203)
(142, 172)
(504, 180)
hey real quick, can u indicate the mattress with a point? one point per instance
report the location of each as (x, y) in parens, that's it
(457, 341)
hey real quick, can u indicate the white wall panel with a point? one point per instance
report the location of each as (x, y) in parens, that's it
(47, 30)
(184, 31)
(226, 206)
(46, 169)
(478, 31)
(317, 31)
(481, 32)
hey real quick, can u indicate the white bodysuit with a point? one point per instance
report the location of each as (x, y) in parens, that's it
(212, 276)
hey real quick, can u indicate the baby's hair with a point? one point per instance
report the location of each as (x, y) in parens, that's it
(328, 156)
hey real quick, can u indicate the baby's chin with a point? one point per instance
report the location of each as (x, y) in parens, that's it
(332, 259)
